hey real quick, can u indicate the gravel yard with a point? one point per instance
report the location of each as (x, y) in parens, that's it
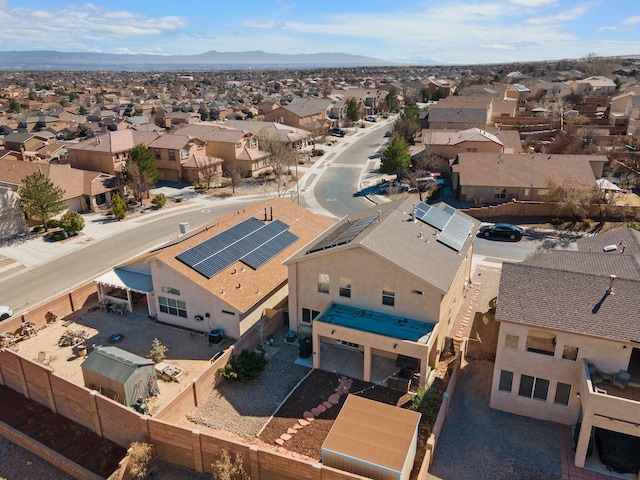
(479, 443)
(17, 463)
(244, 408)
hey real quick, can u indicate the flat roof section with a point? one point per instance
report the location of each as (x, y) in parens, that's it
(377, 323)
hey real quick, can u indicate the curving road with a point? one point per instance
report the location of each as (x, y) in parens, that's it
(337, 190)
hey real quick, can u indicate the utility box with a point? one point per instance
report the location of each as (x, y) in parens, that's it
(184, 227)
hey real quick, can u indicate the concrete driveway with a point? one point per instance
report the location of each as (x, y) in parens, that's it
(479, 443)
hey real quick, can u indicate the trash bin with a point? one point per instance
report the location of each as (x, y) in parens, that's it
(82, 350)
(306, 347)
(215, 336)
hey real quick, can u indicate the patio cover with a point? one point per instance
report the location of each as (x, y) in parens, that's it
(128, 280)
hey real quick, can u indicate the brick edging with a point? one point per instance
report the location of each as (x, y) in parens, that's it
(46, 454)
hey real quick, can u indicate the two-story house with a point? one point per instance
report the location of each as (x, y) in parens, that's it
(181, 158)
(384, 282)
(625, 110)
(568, 327)
(307, 113)
(239, 149)
(107, 152)
(460, 113)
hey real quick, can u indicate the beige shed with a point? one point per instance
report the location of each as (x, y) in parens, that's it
(372, 439)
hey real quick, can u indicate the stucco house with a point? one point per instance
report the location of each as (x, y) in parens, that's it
(460, 113)
(181, 158)
(222, 276)
(84, 190)
(296, 138)
(107, 152)
(307, 113)
(625, 110)
(449, 143)
(568, 327)
(594, 85)
(494, 178)
(12, 221)
(239, 149)
(385, 282)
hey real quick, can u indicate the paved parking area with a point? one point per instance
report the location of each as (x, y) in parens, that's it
(479, 443)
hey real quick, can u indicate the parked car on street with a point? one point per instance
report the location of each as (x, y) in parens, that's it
(393, 187)
(502, 230)
(371, 118)
(5, 312)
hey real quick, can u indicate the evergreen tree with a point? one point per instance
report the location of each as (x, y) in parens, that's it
(141, 171)
(40, 198)
(118, 206)
(353, 110)
(392, 100)
(72, 222)
(396, 158)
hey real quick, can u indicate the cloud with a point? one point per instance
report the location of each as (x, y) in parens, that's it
(608, 28)
(631, 20)
(533, 3)
(565, 16)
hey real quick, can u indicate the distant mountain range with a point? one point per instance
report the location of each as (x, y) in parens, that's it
(212, 60)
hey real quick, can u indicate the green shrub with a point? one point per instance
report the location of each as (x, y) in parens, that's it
(224, 183)
(245, 367)
(72, 222)
(57, 235)
(631, 223)
(159, 200)
(158, 351)
(427, 402)
(118, 206)
(53, 223)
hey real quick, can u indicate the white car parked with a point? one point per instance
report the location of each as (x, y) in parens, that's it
(5, 312)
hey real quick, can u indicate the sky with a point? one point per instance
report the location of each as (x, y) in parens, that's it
(398, 31)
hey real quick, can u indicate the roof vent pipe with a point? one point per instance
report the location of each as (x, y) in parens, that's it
(612, 278)
(413, 212)
(379, 215)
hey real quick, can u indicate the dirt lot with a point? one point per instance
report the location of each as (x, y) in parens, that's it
(186, 350)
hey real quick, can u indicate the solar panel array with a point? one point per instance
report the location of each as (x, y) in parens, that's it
(252, 241)
(454, 229)
(345, 233)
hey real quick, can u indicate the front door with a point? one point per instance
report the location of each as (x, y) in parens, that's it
(634, 365)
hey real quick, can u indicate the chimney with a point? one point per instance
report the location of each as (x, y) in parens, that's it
(379, 215)
(413, 212)
(612, 278)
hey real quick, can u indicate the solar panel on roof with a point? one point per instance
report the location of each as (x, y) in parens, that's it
(449, 209)
(251, 239)
(456, 232)
(436, 218)
(344, 233)
(422, 208)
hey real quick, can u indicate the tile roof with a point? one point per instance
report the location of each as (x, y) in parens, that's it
(420, 255)
(115, 141)
(455, 137)
(523, 170)
(211, 132)
(569, 301)
(255, 284)
(173, 141)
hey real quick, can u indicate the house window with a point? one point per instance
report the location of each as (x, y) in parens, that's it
(388, 296)
(543, 192)
(472, 149)
(570, 353)
(541, 342)
(345, 287)
(184, 153)
(563, 392)
(526, 192)
(156, 153)
(323, 282)
(532, 387)
(500, 193)
(254, 143)
(511, 341)
(171, 290)
(172, 154)
(308, 315)
(173, 307)
(506, 381)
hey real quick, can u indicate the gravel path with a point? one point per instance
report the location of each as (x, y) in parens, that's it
(16, 463)
(479, 443)
(244, 408)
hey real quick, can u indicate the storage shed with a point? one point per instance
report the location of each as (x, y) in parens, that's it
(372, 439)
(120, 375)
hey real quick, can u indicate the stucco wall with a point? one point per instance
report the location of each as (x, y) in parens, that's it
(607, 355)
(369, 274)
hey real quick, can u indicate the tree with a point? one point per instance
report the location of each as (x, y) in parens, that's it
(396, 158)
(159, 200)
(353, 110)
(158, 351)
(72, 222)
(232, 172)
(281, 158)
(13, 105)
(425, 93)
(40, 198)
(82, 110)
(571, 196)
(118, 206)
(141, 172)
(408, 123)
(393, 104)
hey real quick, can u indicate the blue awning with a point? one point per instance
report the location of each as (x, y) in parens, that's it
(127, 279)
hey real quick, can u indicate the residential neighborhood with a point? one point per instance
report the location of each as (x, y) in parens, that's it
(207, 295)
